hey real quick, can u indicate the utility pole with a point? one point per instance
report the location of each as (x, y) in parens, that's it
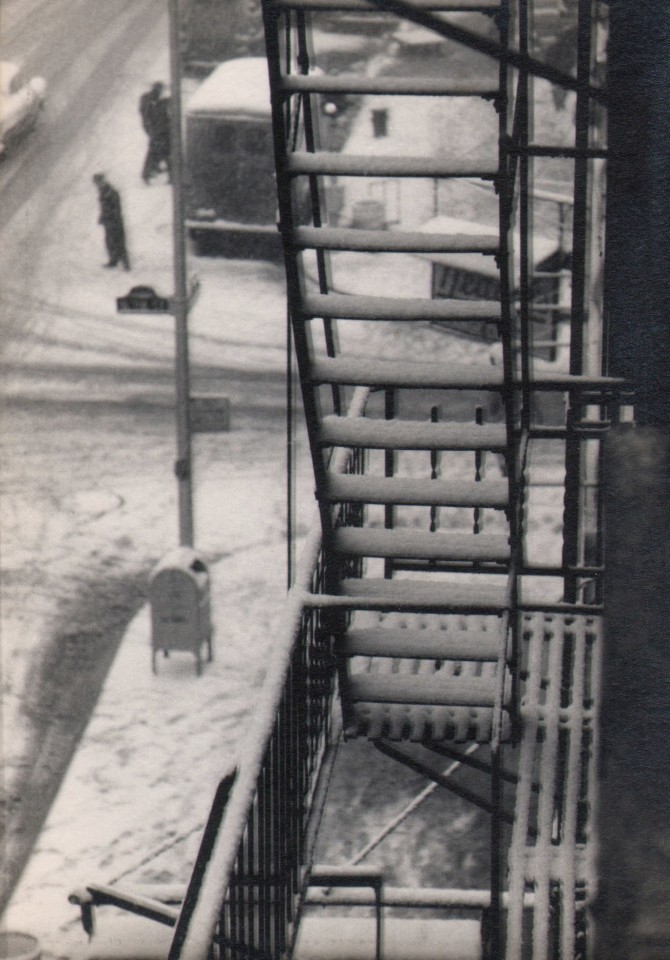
(183, 464)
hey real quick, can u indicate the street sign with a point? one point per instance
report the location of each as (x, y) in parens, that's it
(209, 413)
(143, 300)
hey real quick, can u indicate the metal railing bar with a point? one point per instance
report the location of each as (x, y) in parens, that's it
(446, 751)
(548, 758)
(464, 792)
(212, 826)
(586, 609)
(418, 898)
(547, 570)
(525, 223)
(204, 917)
(559, 152)
(227, 857)
(102, 895)
(537, 570)
(316, 806)
(570, 781)
(523, 801)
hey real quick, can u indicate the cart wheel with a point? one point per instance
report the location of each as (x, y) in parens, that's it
(210, 652)
(153, 662)
(166, 653)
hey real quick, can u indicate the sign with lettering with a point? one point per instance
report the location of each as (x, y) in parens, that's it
(453, 283)
(143, 300)
(209, 413)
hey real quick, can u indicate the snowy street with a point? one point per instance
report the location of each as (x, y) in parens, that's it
(88, 494)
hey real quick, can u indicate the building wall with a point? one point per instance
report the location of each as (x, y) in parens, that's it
(632, 913)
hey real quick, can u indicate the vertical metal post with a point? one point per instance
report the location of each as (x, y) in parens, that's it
(526, 264)
(317, 206)
(180, 300)
(506, 267)
(435, 471)
(290, 457)
(479, 464)
(573, 515)
(301, 334)
(390, 412)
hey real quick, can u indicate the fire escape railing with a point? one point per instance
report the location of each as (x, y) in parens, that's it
(246, 897)
(251, 873)
(244, 893)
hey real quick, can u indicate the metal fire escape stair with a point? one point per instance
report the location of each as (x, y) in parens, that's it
(419, 606)
(462, 673)
(416, 615)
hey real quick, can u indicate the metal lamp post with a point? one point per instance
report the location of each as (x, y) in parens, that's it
(183, 469)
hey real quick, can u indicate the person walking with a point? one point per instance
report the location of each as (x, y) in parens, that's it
(150, 116)
(111, 218)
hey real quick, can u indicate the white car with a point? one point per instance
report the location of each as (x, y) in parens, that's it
(21, 101)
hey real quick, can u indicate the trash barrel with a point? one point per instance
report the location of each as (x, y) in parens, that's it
(368, 215)
(179, 589)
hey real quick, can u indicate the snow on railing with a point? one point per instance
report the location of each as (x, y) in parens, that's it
(248, 888)
(256, 769)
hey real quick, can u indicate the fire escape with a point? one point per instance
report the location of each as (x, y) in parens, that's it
(417, 618)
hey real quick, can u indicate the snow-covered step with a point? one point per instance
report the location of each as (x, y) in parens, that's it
(410, 434)
(402, 373)
(393, 241)
(436, 689)
(418, 596)
(420, 545)
(421, 723)
(323, 162)
(332, 306)
(352, 83)
(357, 488)
(478, 645)
(550, 380)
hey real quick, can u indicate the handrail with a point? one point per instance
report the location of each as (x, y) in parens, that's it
(142, 903)
(197, 926)
(197, 939)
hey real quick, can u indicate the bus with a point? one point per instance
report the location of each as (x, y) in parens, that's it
(231, 198)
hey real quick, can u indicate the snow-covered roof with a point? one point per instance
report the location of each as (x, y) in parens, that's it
(543, 247)
(236, 86)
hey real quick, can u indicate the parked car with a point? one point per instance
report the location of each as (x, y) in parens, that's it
(21, 101)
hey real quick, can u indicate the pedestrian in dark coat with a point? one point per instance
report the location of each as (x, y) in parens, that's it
(149, 111)
(161, 135)
(111, 219)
